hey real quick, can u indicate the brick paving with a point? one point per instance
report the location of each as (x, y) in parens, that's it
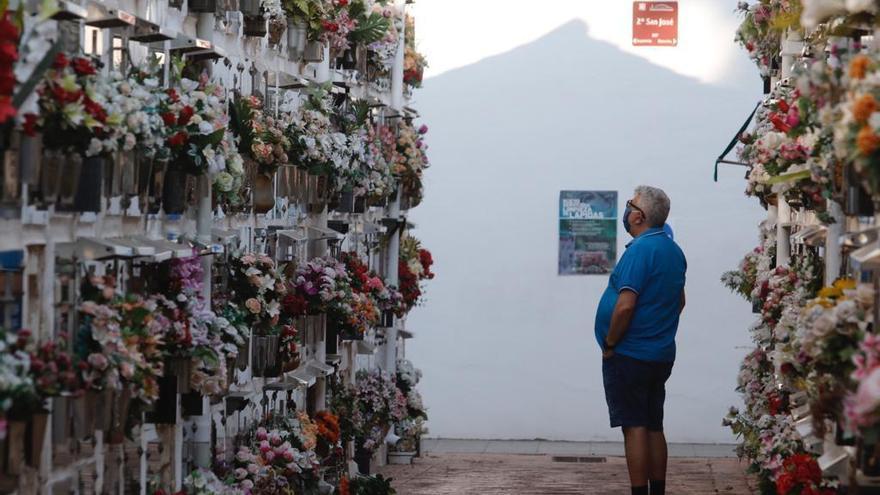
(539, 474)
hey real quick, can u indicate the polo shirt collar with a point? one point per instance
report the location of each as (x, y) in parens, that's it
(648, 233)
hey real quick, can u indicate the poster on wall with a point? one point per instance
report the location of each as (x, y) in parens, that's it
(587, 232)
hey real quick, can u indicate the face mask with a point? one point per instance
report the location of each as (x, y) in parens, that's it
(626, 214)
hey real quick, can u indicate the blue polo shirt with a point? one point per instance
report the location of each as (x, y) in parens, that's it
(653, 266)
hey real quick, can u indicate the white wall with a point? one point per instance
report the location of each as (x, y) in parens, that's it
(506, 345)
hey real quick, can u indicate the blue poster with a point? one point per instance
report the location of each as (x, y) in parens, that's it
(587, 232)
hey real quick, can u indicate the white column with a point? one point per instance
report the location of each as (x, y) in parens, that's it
(393, 253)
(832, 243)
(783, 240)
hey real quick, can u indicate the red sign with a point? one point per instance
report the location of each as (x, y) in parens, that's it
(655, 23)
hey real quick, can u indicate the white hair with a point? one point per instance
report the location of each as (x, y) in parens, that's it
(655, 203)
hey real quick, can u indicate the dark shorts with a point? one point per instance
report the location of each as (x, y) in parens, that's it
(635, 391)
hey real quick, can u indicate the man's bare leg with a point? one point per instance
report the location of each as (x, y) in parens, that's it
(657, 459)
(637, 456)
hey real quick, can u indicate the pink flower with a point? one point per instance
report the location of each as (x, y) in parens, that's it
(253, 305)
(248, 259)
(867, 399)
(265, 447)
(269, 456)
(241, 473)
(262, 434)
(375, 283)
(275, 438)
(288, 456)
(247, 485)
(253, 468)
(98, 361)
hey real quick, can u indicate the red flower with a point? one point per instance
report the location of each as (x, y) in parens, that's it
(95, 110)
(7, 82)
(60, 61)
(783, 106)
(84, 67)
(30, 124)
(178, 139)
(8, 53)
(172, 95)
(330, 26)
(169, 119)
(7, 111)
(343, 3)
(8, 30)
(779, 123)
(185, 115)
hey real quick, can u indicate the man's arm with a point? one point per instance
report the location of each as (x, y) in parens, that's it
(623, 313)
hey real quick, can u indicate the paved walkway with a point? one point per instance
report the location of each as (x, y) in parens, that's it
(563, 468)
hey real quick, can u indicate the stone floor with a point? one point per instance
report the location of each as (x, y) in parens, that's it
(558, 468)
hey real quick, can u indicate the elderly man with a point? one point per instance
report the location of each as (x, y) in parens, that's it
(635, 326)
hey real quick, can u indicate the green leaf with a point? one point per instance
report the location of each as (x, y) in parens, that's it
(792, 177)
(371, 29)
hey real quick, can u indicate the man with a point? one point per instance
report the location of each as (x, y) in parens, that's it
(635, 326)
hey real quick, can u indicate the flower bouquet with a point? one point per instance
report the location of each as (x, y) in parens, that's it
(411, 161)
(194, 113)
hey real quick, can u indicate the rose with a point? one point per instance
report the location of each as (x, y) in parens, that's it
(98, 361)
(241, 473)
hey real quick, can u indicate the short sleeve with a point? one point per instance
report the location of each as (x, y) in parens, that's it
(633, 270)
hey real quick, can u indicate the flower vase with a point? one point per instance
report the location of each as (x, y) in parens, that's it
(277, 28)
(61, 409)
(36, 437)
(332, 340)
(60, 177)
(104, 411)
(165, 408)
(250, 8)
(361, 58)
(85, 409)
(363, 458)
(301, 185)
(202, 6)
(313, 52)
(88, 190)
(254, 26)
(387, 319)
(143, 176)
(348, 61)
(264, 192)
(241, 361)
(174, 190)
(345, 202)
(31, 159)
(16, 431)
(322, 189)
(273, 357)
(131, 171)
(182, 368)
(230, 371)
(10, 192)
(296, 39)
(121, 403)
(259, 351)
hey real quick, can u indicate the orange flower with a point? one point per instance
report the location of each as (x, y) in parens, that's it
(343, 486)
(858, 67)
(867, 141)
(864, 107)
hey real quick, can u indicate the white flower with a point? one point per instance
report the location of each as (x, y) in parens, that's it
(223, 182)
(206, 127)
